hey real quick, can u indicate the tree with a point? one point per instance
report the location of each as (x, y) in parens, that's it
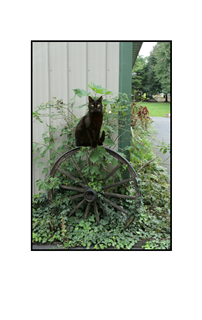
(162, 66)
(139, 75)
(153, 85)
(151, 75)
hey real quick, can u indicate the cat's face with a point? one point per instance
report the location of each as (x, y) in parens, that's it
(95, 106)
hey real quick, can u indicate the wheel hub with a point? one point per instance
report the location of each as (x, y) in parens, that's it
(90, 194)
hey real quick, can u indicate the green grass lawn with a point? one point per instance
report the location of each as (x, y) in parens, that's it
(157, 109)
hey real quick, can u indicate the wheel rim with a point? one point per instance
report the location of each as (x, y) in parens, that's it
(90, 196)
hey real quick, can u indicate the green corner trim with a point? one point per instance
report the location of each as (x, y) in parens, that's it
(125, 82)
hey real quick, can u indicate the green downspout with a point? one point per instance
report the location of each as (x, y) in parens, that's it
(125, 84)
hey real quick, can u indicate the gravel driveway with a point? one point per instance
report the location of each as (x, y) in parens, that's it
(161, 131)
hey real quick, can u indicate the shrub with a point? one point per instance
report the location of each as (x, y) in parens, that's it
(141, 113)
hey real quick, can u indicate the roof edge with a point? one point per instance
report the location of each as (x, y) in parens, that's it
(136, 49)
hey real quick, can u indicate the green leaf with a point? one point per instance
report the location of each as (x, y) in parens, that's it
(47, 139)
(34, 145)
(45, 170)
(109, 142)
(101, 91)
(97, 88)
(94, 170)
(53, 155)
(94, 157)
(44, 152)
(80, 92)
(153, 176)
(39, 149)
(43, 135)
(40, 164)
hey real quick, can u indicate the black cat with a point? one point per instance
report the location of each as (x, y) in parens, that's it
(87, 132)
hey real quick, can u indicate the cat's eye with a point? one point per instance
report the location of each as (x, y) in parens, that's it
(92, 105)
(98, 105)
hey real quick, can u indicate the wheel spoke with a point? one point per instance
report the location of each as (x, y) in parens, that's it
(78, 206)
(78, 169)
(96, 212)
(71, 188)
(116, 183)
(115, 205)
(50, 196)
(76, 196)
(87, 159)
(129, 221)
(112, 172)
(103, 208)
(87, 210)
(71, 177)
(117, 195)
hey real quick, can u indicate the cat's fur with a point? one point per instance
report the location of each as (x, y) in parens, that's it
(87, 132)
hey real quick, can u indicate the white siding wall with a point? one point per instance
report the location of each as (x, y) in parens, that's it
(60, 67)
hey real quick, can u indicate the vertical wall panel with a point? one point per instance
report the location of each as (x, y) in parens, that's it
(60, 67)
(58, 61)
(40, 95)
(113, 66)
(40, 73)
(77, 73)
(97, 63)
(58, 70)
(40, 81)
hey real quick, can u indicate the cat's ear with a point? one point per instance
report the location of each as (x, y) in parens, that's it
(90, 99)
(100, 99)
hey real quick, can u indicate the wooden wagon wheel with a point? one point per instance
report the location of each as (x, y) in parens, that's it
(88, 194)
